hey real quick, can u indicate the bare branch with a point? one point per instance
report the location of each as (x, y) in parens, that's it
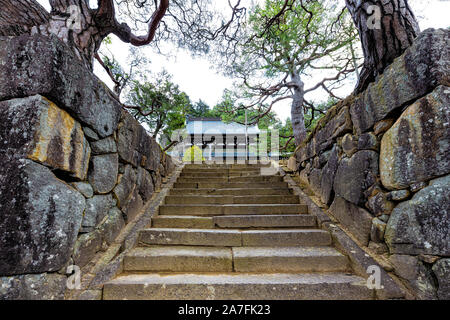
(152, 26)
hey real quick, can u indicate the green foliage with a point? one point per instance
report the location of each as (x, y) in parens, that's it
(199, 109)
(285, 131)
(312, 116)
(107, 40)
(192, 154)
(301, 35)
(163, 100)
(229, 111)
(117, 71)
(290, 44)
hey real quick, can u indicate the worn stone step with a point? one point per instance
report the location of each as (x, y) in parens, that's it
(228, 185)
(247, 179)
(231, 209)
(285, 237)
(237, 286)
(224, 169)
(235, 221)
(203, 180)
(190, 237)
(234, 238)
(213, 174)
(193, 222)
(179, 259)
(251, 179)
(266, 221)
(224, 199)
(226, 166)
(288, 259)
(231, 191)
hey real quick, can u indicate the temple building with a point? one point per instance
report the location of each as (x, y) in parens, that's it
(220, 140)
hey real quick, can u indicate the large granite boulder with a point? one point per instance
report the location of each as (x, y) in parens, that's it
(423, 66)
(355, 175)
(357, 220)
(103, 146)
(441, 270)
(33, 287)
(314, 180)
(111, 225)
(37, 129)
(125, 186)
(103, 172)
(328, 174)
(336, 123)
(144, 184)
(136, 146)
(40, 217)
(97, 208)
(421, 225)
(416, 147)
(133, 206)
(47, 66)
(84, 188)
(337, 126)
(87, 245)
(417, 274)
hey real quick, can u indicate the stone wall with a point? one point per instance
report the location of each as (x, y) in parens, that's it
(380, 163)
(75, 167)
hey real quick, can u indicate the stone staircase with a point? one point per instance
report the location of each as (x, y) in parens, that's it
(228, 232)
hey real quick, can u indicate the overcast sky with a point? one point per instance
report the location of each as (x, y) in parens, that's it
(196, 77)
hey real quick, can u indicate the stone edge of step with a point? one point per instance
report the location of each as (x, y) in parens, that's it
(273, 286)
(109, 264)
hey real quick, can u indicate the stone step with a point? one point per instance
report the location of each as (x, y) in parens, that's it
(183, 222)
(237, 259)
(248, 179)
(231, 191)
(234, 238)
(179, 259)
(237, 286)
(214, 174)
(288, 259)
(206, 199)
(221, 171)
(266, 221)
(286, 237)
(228, 185)
(231, 209)
(235, 222)
(255, 170)
(225, 166)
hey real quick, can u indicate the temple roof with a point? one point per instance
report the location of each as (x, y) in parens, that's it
(213, 126)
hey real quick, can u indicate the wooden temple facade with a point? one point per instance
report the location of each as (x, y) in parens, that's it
(222, 141)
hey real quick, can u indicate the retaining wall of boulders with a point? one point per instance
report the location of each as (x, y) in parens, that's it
(380, 163)
(75, 168)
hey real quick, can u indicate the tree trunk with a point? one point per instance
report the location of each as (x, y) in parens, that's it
(159, 125)
(20, 16)
(297, 114)
(386, 28)
(73, 22)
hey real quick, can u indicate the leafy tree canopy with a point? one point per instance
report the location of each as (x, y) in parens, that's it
(162, 105)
